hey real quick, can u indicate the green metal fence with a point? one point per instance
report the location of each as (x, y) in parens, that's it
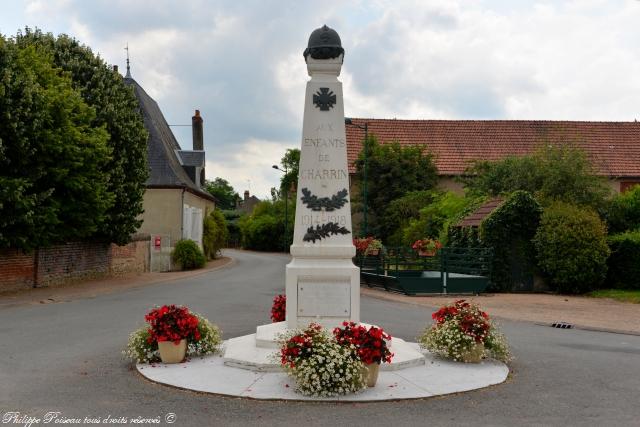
(452, 270)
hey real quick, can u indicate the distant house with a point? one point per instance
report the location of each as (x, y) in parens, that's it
(247, 204)
(613, 147)
(174, 202)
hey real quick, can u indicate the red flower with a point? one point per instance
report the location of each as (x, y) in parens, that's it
(279, 309)
(371, 344)
(172, 323)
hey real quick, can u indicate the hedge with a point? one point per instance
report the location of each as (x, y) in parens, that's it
(624, 262)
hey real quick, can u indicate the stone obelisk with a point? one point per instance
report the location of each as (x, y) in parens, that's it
(322, 284)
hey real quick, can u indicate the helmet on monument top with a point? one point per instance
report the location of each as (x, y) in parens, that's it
(324, 43)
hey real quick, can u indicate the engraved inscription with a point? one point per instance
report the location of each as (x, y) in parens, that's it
(324, 297)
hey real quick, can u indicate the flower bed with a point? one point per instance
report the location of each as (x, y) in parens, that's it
(460, 329)
(172, 323)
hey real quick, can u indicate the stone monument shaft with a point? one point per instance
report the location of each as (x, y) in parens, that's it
(322, 283)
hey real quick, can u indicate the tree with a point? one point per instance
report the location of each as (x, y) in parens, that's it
(263, 230)
(117, 111)
(623, 213)
(553, 172)
(401, 211)
(52, 185)
(392, 171)
(291, 163)
(214, 233)
(223, 192)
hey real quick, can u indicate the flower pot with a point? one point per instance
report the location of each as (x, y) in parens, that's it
(374, 252)
(427, 252)
(474, 355)
(370, 373)
(172, 353)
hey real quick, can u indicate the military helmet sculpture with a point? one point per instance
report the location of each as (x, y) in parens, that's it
(324, 43)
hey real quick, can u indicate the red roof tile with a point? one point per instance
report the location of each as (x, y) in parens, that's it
(614, 147)
(475, 218)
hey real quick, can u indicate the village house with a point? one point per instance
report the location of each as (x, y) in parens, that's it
(175, 201)
(613, 147)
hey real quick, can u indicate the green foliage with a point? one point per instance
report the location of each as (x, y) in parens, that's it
(571, 247)
(623, 295)
(52, 185)
(509, 230)
(553, 172)
(401, 211)
(223, 192)
(435, 219)
(117, 111)
(624, 263)
(234, 235)
(623, 212)
(188, 255)
(392, 172)
(214, 233)
(291, 163)
(263, 230)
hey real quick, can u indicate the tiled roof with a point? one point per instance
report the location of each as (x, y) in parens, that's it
(165, 169)
(614, 147)
(475, 218)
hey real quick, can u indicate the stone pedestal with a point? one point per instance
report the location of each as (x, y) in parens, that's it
(322, 284)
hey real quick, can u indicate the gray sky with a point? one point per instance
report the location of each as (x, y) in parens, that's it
(240, 63)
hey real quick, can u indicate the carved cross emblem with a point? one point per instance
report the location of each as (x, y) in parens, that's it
(324, 99)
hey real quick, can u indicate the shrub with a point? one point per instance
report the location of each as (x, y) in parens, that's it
(624, 211)
(435, 219)
(214, 233)
(624, 263)
(263, 230)
(188, 255)
(571, 247)
(509, 230)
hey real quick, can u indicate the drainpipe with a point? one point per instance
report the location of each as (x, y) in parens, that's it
(182, 214)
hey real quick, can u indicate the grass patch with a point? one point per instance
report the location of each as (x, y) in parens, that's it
(624, 295)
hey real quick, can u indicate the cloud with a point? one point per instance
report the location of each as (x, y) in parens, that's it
(241, 63)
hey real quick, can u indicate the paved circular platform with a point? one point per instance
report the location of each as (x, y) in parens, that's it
(436, 377)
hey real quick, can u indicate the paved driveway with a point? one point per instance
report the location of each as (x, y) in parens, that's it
(65, 357)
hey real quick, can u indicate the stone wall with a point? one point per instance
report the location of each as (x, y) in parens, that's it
(71, 262)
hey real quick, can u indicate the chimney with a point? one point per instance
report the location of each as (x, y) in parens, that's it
(198, 136)
(246, 195)
(115, 68)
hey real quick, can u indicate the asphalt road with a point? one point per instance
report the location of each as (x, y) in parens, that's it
(65, 357)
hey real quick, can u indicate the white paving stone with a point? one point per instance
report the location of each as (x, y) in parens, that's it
(436, 377)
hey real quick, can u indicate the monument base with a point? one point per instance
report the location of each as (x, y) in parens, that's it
(259, 352)
(322, 290)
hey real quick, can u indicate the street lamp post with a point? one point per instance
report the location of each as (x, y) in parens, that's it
(365, 127)
(286, 213)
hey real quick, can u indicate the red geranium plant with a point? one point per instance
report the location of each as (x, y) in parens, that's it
(300, 346)
(371, 344)
(427, 246)
(172, 323)
(279, 308)
(473, 321)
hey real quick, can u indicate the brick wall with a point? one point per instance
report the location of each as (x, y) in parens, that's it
(71, 262)
(16, 270)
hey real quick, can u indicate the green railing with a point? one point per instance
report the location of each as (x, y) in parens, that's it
(451, 270)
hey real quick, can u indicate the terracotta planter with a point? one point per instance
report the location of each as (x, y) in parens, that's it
(474, 355)
(172, 353)
(427, 252)
(374, 252)
(370, 373)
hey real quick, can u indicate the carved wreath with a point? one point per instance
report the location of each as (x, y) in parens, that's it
(329, 204)
(323, 231)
